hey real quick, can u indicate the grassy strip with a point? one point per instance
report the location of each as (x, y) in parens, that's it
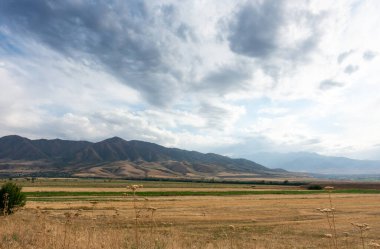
(70, 199)
(68, 193)
(200, 193)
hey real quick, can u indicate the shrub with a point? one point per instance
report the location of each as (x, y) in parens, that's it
(11, 198)
(314, 187)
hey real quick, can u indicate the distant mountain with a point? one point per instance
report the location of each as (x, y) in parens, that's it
(116, 157)
(315, 163)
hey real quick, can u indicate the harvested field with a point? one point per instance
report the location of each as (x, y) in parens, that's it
(229, 221)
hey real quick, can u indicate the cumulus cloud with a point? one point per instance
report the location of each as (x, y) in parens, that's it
(329, 84)
(343, 56)
(271, 28)
(254, 31)
(369, 55)
(350, 69)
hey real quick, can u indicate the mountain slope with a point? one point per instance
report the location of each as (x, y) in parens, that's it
(16, 147)
(315, 163)
(115, 157)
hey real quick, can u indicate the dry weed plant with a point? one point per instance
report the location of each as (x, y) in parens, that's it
(144, 218)
(346, 236)
(361, 228)
(137, 212)
(330, 218)
(374, 244)
(232, 236)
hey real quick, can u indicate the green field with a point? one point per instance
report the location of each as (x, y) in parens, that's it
(36, 195)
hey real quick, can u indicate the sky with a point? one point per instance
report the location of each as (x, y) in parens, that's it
(225, 76)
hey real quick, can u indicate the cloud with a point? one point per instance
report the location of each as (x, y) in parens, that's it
(226, 79)
(350, 69)
(329, 84)
(219, 115)
(245, 75)
(369, 55)
(312, 141)
(271, 28)
(255, 28)
(282, 133)
(122, 37)
(343, 56)
(186, 33)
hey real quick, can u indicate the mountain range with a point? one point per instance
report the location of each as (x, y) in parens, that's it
(116, 157)
(316, 163)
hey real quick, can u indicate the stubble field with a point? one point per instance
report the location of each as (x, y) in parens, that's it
(103, 214)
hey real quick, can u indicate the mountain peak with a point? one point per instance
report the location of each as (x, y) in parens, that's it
(114, 140)
(13, 137)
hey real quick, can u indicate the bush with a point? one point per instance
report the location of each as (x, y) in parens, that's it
(11, 198)
(314, 187)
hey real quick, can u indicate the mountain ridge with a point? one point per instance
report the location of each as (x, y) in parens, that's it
(116, 157)
(315, 163)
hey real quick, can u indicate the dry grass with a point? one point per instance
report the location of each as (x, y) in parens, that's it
(220, 222)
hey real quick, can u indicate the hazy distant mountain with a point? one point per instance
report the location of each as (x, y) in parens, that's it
(116, 157)
(315, 163)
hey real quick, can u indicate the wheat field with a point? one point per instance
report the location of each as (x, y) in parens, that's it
(249, 221)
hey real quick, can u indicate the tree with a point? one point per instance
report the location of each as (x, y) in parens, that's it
(314, 187)
(11, 198)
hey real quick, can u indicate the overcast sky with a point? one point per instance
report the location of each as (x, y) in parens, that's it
(232, 77)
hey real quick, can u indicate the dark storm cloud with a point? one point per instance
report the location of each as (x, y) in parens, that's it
(329, 84)
(350, 69)
(342, 56)
(118, 35)
(369, 55)
(255, 30)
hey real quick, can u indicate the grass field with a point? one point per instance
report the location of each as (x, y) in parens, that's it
(84, 213)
